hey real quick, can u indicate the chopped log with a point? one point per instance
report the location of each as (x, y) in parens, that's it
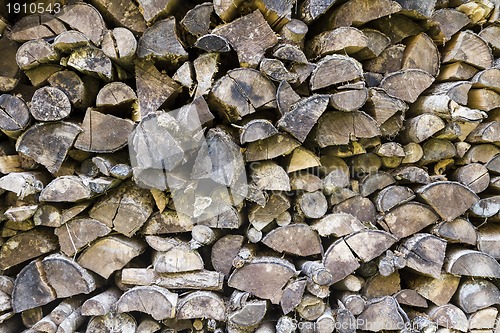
(14, 115)
(424, 253)
(269, 176)
(374, 182)
(406, 219)
(213, 43)
(381, 106)
(394, 84)
(310, 10)
(488, 34)
(160, 42)
(422, 127)
(114, 252)
(337, 68)
(483, 319)
(111, 320)
(153, 87)
(312, 204)
(120, 46)
(297, 239)
(349, 99)
(484, 99)
(456, 71)
(413, 55)
(397, 27)
(71, 85)
(471, 263)
(124, 13)
(301, 159)
(447, 21)
(250, 36)
(249, 316)
(487, 240)
(201, 304)
(358, 206)
(9, 74)
(77, 233)
(70, 40)
(263, 277)
(274, 146)
(376, 43)
(276, 70)
(460, 48)
(201, 280)
(31, 316)
(474, 295)
(34, 53)
(197, 20)
(205, 67)
(84, 18)
(292, 295)
(302, 116)
(92, 61)
(338, 128)
(485, 133)
(310, 307)
(23, 184)
(294, 31)
(449, 316)
(101, 304)
(167, 222)
(381, 314)
(78, 189)
(240, 92)
(388, 61)
(257, 129)
(36, 26)
(45, 325)
(337, 225)
(72, 322)
(475, 176)
(260, 216)
(285, 97)
(359, 12)
(379, 285)
(368, 244)
(487, 78)
(180, 258)
(347, 40)
(50, 104)
(393, 196)
(410, 297)
(458, 230)
(339, 260)
(25, 246)
(438, 195)
(147, 299)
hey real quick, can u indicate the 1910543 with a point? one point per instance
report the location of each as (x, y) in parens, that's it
(37, 7)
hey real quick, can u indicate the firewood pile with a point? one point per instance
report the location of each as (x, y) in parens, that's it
(250, 166)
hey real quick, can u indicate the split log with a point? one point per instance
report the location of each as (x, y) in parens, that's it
(77, 233)
(101, 304)
(347, 40)
(179, 258)
(468, 47)
(92, 26)
(447, 22)
(340, 260)
(410, 297)
(292, 295)
(393, 196)
(457, 231)
(474, 295)
(349, 99)
(74, 87)
(67, 41)
(378, 308)
(36, 27)
(456, 71)
(250, 36)
(120, 46)
(416, 46)
(201, 304)
(78, 190)
(337, 225)
(449, 316)
(257, 129)
(397, 27)
(197, 20)
(92, 61)
(310, 10)
(251, 91)
(488, 34)
(110, 321)
(34, 53)
(394, 84)
(359, 12)
(114, 252)
(298, 239)
(147, 299)
(437, 195)
(263, 277)
(375, 181)
(50, 104)
(9, 74)
(72, 322)
(483, 99)
(329, 67)
(201, 280)
(310, 307)
(362, 208)
(167, 222)
(369, 244)
(260, 216)
(124, 13)
(388, 61)
(471, 263)
(269, 176)
(14, 115)
(424, 253)
(483, 319)
(487, 240)
(401, 223)
(274, 146)
(379, 285)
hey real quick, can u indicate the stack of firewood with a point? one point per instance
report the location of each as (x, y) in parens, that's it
(250, 165)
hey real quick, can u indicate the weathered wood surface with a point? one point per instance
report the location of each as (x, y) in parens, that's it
(240, 166)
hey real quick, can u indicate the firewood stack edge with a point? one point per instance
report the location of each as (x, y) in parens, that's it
(264, 166)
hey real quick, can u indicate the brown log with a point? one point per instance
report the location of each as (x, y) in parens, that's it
(79, 190)
(346, 99)
(200, 280)
(379, 285)
(483, 99)
(359, 12)
(468, 47)
(388, 61)
(345, 40)
(474, 295)
(406, 219)
(394, 84)
(36, 27)
(34, 53)
(67, 41)
(92, 27)
(109, 321)
(250, 36)
(449, 316)
(77, 233)
(298, 239)
(147, 299)
(483, 319)
(92, 61)
(457, 231)
(410, 297)
(471, 263)
(362, 208)
(114, 252)
(488, 34)
(397, 27)
(201, 304)
(424, 253)
(456, 71)
(14, 115)
(310, 10)
(413, 55)
(167, 222)
(269, 176)
(124, 13)
(328, 67)
(446, 22)
(337, 225)
(339, 260)
(378, 308)
(50, 104)
(9, 74)
(257, 129)
(260, 216)
(75, 88)
(101, 304)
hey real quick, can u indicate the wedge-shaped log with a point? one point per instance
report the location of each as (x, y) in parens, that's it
(78, 189)
(25, 246)
(468, 47)
(180, 258)
(263, 277)
(338, 128)
(167, 222)
(346, 40)
(201, 304)
(303, 115)
(198, 280)
(36, 27)
(449, 316)
(393, 196)
(269, 176)
(48, 143)
(424, 253)
(114, 252)
(337, 225)
(340, 260)
(34, 53)
(110, 321)
(381, 314)
(477, 294)
(92, 61)
(224, 251)
(125, 210)
(407, 219)
(78, 232)
(421, 53)
(250, 36)
(396, 84)
(153, 300)
(368, 244)
(335, 69)
(457, 231)
(257, 129)
(269, 148)
(292, 295)
(359, 12)
(448, 21)
(14, 115)
(298, 239)
(240, 92)
(160, 42)
(437, 290)
(448, 199)
(92, 26)
(467, 262)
